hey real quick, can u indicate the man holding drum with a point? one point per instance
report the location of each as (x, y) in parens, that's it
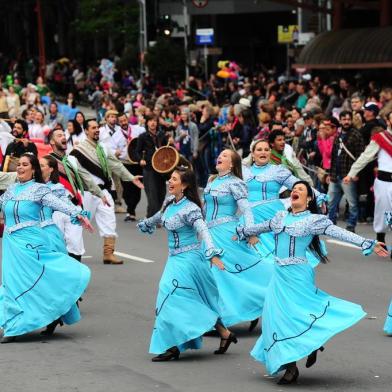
(131, 193)
(154, 183)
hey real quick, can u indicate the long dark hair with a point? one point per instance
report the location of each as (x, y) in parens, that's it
(188, 178)
(237, 166)
(52, 163)
(34, 162)
(315, 245)
(77, 127)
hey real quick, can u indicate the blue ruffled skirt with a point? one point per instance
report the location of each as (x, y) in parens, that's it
(57, 242)
(39, 285)
(298, 318)
(243, 285)
(266, 211)
(187, 303)
(388, 321)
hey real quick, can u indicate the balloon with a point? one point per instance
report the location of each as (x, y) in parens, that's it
(233, 75)
(223, 64)
(223, 74)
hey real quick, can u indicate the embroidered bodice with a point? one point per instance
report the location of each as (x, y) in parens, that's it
(294, 233)
(264, 183)
(223, 197)
(22, 204)
(184, 223)
(46, 212)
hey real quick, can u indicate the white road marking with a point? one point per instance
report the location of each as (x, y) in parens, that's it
(135, 258)
(87, 257)
(342, 244)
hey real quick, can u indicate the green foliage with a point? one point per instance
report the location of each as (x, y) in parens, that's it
(102, 17)
(166, 60)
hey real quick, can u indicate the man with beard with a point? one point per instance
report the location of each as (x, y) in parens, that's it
(97, 159)
(75, 180)
(21, 144)
(347, 147)
(380, 147)
(119, 147)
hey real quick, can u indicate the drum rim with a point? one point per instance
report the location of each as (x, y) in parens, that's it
(129, 157)
(171, 167)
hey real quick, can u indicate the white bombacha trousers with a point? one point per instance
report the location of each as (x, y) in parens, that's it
(383, 203)
(73, 234)
(104, 215)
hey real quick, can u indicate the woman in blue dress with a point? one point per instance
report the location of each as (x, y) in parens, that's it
(50, 175)
(187, 302)
(264, 181)
(388, 319)
(298, 318)
(40, 285)
(242, 286)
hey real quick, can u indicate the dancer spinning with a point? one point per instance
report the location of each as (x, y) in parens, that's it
(388, 319)
(50, 176)
(187, 303)
(40, 286)
(264, 181)
(243, 284)
(298, 318)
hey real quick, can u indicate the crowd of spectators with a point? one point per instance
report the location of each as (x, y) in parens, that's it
(327, 124)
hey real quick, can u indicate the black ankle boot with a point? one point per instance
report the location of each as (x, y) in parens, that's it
(172, 353)
(7, 339)
(51, 328)
(225, 343)
(312, 358)
(253, 324)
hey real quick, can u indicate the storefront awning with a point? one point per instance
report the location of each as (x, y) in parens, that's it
(348, 49)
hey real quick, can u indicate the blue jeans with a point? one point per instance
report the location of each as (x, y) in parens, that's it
(335, 193)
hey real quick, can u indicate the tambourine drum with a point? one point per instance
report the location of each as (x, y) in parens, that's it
(166, 159)
(132, 151)
(10, 164)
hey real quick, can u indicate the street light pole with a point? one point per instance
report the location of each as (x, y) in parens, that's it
(142, 37)
(185, 12)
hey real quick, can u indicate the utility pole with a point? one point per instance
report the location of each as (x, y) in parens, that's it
(185, 12)
(142, 37)
(41, 40)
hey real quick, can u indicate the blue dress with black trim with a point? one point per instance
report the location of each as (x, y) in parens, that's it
(47, 223)
(264, 184)
(39, 284)
(187, 302)
(388, 321)
(299, 318)
(388, 318)
(243, 284)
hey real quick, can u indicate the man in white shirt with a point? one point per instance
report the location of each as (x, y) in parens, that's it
(380, 147)
(119, 147)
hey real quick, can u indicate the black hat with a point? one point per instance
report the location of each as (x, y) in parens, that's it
(307, 115)
(371, 107)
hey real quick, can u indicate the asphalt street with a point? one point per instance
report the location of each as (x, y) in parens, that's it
(108, 349)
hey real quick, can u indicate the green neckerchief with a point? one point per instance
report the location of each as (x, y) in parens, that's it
(103, 160)
(79, 183)
(280, 159)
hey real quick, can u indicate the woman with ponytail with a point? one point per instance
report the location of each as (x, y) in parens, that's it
(187, 303)
(243, 284)
(298, 318)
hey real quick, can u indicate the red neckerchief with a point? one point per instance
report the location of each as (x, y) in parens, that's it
(384, 140)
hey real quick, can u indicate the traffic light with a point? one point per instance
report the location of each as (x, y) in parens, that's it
(166, 25)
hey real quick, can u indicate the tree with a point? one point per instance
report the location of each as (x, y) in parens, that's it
(113, 24)
(166, 60)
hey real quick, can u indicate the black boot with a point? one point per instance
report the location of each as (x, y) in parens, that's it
(253, 324)
(172, 353)
(76, 257)
(51, 327)
(8, 339)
